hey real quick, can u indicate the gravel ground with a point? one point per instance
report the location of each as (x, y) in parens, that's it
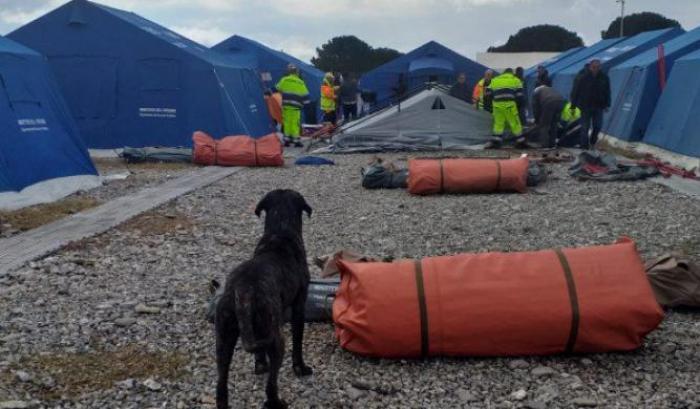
(128, 289)
(141, 175)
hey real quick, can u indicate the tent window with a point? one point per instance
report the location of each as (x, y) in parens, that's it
(159, 74)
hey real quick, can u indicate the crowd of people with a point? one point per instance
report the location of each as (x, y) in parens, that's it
(556, 121)
(546, 119)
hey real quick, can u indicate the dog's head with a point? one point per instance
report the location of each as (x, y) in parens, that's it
(283, 208)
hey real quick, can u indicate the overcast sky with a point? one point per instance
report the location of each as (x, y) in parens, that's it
(299, 26)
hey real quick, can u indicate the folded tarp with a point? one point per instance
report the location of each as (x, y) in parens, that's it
(604, 167)
(156, 154)
(586, 300)
(433, 176)
(237, 150)
(675, 280)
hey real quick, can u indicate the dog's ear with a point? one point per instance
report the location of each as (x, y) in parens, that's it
(214, 286)
(305, 207)
(262, 205)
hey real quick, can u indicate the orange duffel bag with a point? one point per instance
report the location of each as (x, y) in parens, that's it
(268, 151)
(585, 300)
(236, 150)
(432, 176)
(240, 150)
(204, 152)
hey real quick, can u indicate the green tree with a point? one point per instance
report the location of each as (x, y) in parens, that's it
(638, 23)
(350, 55)
(545, 37)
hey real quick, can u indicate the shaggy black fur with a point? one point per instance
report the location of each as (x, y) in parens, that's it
(257, 293)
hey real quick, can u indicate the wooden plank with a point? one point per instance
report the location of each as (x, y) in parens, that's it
(23, 248)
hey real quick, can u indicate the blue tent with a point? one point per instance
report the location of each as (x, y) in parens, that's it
(636, 86)
(549, 62)
(581, 55)
(563, 81)
(131, 82)
(271, 64)
(429, 62)
(676, 120)
(39, 141)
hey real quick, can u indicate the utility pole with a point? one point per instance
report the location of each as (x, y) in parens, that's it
(622, 17)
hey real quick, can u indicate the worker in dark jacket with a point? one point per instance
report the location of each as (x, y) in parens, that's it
(553, 116)
(591, 93)
(461, 89)
(522, 101)
(542, 77)
(348, 98)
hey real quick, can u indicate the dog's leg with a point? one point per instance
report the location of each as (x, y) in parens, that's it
(298, 365)
(275, 353)
(226, 338)
(261, 365)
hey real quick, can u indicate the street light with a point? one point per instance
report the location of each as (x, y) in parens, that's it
(622, 17)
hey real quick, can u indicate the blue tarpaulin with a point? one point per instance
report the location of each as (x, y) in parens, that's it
(636, 86)
(571, 58)
(38, 139)
(131, 82)
(271, 64)
(609, 57)
(430, 62)
(675, 124)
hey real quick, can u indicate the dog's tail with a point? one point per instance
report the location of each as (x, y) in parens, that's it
(255, 320)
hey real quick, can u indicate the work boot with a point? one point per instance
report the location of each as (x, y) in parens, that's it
(287, 142)
(494, 143)
(298, 144)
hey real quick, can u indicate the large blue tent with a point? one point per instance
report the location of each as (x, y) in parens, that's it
(271, 65)
(429, 62)
(39, 142)
(131, 82)
(571, 58)
(563, 81)
(550, 61)
(636, 86)
(676, 120)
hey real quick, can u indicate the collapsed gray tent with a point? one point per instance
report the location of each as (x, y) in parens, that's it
(429, 120)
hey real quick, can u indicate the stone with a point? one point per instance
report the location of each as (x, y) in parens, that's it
(125, 322)
(542, 371)
(668, 348)
(518, 364)
(146, 309)
(586, 362)
(535, 405)
(585, 402)
(353, 393)
(465, 396)
(23, 376)
(519, 395)
(17, 404)
(152, 385)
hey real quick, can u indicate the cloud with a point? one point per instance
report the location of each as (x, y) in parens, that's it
(206, 35)
(18, 13)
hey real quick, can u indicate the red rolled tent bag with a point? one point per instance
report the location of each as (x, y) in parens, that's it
(433, 176)
(584, 300)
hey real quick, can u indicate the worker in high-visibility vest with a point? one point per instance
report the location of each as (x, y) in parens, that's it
(329, 99)
(294, 96)
(553, 116)
(479, 97)
(505, 90)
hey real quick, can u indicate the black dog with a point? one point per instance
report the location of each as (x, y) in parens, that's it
(257, 293)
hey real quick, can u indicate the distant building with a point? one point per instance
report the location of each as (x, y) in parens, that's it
(501, 61)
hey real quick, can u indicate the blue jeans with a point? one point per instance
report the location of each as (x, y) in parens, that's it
(591, 120)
